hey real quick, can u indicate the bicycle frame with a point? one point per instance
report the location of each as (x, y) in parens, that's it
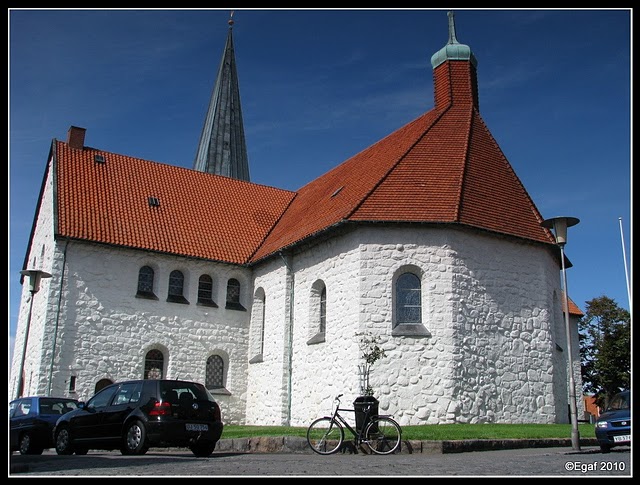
(357, 434)
(380, 433)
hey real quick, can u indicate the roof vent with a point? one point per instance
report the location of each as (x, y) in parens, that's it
(153, 202)
(99, 158)
(337, 191)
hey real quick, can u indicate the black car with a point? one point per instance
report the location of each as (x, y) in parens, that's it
(613, 426)
(133, 416)
(31, 422)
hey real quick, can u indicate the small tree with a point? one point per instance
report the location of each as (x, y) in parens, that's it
(371, 352)
(605, 349)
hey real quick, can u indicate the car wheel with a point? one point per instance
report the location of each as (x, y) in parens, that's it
(134, 439)
(605, 448)
(63, 442)
(26, 446)
(203, 449)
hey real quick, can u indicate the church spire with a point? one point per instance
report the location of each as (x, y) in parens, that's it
(222, 149)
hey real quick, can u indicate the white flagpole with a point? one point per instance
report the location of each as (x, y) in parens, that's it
(624, 256)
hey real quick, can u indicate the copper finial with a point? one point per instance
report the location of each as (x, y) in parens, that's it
(231, 19)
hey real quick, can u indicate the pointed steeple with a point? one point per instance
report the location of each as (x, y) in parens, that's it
(222, 149)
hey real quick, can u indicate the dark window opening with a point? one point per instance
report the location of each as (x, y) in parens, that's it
(153, 365)
(214, 373)
(233, 295)
(205, 291)
(72, 384)
(408, 299)
(176, 288)
(145, 283)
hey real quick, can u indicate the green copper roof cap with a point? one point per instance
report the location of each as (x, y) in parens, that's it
(453, 50)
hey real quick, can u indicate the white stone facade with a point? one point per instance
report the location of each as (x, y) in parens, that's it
(491, 346)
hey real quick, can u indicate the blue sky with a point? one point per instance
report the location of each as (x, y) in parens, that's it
(318, 86)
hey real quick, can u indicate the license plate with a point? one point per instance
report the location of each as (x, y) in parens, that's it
(624, 437)
(197, 427)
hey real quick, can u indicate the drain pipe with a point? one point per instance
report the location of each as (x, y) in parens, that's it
(55, 329)
(289, 335)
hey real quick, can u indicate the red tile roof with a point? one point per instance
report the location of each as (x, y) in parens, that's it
(573, 308)
(444, 167)
(199, 215)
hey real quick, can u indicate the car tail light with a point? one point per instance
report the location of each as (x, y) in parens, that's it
(162, 408)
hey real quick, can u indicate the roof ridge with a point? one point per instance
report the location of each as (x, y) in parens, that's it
(401, 157)
(466, 163)
(273, 226)
(530, 202)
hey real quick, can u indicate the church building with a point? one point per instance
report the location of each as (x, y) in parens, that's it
(426, 242)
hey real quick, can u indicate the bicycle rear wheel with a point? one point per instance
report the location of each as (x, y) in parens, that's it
(383, 435)
(325, 435)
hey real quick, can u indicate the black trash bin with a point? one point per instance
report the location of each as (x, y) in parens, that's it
(360, 405)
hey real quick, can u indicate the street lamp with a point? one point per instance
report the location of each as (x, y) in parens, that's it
(559, 226)
(35, 276)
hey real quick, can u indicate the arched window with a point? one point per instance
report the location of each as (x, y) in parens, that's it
(233, 295)
(317, 313)
(408, 299)
(101, 384)
(214, 378)
(323, 310)
(257, 326)
(145, 283)
(205, 291)
(176, 287)
(153, 364)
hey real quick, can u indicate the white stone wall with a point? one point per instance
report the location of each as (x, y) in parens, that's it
(323, 370)
(105, 331)
(266, 378)
(490, 311)
(37, 361)
(489, 355)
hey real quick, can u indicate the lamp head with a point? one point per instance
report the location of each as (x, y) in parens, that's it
(559, 226)
(35, 275)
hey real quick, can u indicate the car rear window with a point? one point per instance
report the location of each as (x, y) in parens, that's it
(56, 406)
(176, 391)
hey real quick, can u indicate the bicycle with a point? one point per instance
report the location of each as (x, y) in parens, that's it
(381, 433)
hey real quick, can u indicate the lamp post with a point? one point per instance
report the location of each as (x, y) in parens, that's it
(35, 276)
(559, 226)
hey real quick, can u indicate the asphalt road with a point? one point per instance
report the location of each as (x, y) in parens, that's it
(588, 462)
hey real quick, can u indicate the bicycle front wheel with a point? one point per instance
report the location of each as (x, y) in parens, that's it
(383, 435)
(325, 435)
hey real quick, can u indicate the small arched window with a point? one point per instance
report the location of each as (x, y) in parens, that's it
(153, 365)
(408, 299)
(145, 283)
(317, 313)
(214, 378)
(323, 310)
(205, 291)
(258, 313)
(233, 295)
(176, 287)
(101, 384)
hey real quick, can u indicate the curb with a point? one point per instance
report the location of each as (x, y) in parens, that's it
(296, 444)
